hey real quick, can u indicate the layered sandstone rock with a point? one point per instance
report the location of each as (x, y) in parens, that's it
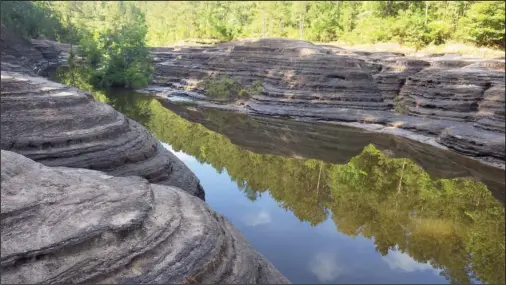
(55, 53)
(393, 75)
(67, 225)
(440, 96)
(18, 54)
(450, 94)
(292, 72)
(33, 57)
(59, 125)
(72, 224)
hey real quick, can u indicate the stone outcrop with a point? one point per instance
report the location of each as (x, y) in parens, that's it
(442, 96)
(59, 125)
(68, 225)
(55, 53)
(19, 55)
(33, 57)
(292, 72)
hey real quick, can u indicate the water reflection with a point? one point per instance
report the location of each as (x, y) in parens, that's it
(398, 260)
(256, 219)
(415, 223)
(324, 265)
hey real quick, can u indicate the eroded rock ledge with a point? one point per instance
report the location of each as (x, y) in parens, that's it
(67, 225)
(33, 57)
(459, 101)
(59, 125)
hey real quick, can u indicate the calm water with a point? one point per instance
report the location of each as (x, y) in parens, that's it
(332, 204)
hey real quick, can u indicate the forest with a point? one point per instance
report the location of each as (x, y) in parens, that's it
(415, 23)
(393, 201)
(113, 36)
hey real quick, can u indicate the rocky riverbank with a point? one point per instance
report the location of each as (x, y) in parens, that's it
(104, 202)
(445, 100)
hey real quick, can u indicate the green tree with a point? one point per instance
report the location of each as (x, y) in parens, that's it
(483, 23)
(32, 19)
(112, 42)
(412, 23)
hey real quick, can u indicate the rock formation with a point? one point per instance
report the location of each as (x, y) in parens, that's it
(33, 57)
(442, 96)
(65, 222)
(59, 125)
(68, 225)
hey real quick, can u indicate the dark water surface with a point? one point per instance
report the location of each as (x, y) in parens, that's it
(333, 204)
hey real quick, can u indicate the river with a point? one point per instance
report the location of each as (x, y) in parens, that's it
(333, 204)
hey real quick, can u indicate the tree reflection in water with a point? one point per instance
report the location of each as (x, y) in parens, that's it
(455, 225)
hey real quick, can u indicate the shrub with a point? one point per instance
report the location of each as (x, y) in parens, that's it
(226, 88)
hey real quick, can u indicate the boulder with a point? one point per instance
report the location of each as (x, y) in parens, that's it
(68, 225)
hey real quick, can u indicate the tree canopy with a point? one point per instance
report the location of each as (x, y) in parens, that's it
(111, 36)
(415, 23)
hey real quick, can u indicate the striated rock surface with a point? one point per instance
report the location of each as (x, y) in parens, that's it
(19, 55)
(291, 72)
(55, 53)
(67, 225)
(426, 95)
(59, 125)
(33, 57)
(453, 94)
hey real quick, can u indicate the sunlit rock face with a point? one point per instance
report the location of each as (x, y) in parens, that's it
(292, 72)
(67, 225)
(472, 93)
(59, 125)
(440, 96)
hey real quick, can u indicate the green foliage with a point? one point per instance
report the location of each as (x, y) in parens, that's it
(112, 41)
(455, 224)
(255, 89)
(73, 76)
(483, 23)
(413, 23)
(221, 88)
(399, 105)
(224, 88)
(111, 36)
(31, 19)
